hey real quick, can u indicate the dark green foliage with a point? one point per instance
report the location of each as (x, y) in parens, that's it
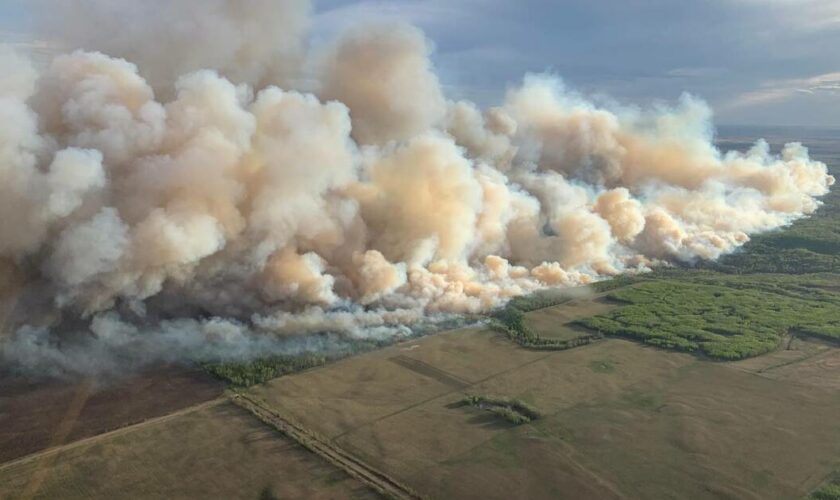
(733, 319)
(540, 299)
(514, 411)
(267, 494)
(248, 373)
(511, 416)
(257, 371)
(617, 282)
(828, 491)
(511, 321)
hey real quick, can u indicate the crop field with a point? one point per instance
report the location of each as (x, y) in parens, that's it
(613, 412)
(560, 322)
(34, 416)
(215, 450)
(702, 380)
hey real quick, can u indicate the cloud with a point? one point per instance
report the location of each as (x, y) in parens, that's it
(803, 15)
(39, 50)
(781, 90)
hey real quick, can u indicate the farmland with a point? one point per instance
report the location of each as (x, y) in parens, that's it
(215, 450)
(34, 416)
(612, 412)
(703, 380)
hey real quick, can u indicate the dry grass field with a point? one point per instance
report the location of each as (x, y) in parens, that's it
(37, 415)
(555, 322)
(620, 419)
(216, 450)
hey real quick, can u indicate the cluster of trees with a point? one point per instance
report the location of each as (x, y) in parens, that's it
(260, 370)
(511, 321)
(248, 373)
(729, 320)
(759, 258)
(540, 300)
(512, 410)
(828, 491)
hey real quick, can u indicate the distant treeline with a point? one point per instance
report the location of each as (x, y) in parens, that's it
(248, 373)
(257, 371)
(810, 245)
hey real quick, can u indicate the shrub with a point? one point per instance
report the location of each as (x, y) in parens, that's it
(513, 410)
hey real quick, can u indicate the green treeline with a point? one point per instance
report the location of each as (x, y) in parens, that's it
(512, 410)
(511, 320)
(248, 373)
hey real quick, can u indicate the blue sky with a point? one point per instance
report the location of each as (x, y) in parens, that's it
(774, 62)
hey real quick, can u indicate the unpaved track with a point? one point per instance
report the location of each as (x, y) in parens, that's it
(353, 466)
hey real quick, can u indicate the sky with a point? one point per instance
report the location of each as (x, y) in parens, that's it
(756, 62)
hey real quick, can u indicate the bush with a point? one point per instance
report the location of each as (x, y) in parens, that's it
(514, 411)
(828, 491)
(509, 414)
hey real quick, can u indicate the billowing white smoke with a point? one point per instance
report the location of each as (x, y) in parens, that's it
(360, 209)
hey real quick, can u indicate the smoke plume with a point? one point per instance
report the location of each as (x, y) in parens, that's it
(171, 192)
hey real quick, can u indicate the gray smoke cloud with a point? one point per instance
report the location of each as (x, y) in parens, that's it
(173, 171)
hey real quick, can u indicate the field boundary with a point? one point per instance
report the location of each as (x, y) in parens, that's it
(49, 452)
(427, 370)
(372, 477)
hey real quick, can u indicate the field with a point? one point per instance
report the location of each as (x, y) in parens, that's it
(704, 380)
(619, 420)
(560, 322)
(34, 416)
(215, 450)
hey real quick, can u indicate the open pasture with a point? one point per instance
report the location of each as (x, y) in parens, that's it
(620, 420)
(215, 450)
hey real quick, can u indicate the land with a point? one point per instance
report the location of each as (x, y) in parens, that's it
(37, 415)
(214, 450)
(706, 380)
(612, 413)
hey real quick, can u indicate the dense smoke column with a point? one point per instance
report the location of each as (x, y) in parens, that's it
(196, 205)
